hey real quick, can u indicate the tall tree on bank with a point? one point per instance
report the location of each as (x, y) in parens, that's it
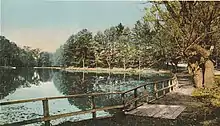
(142, 36)
(76, 49)
(194, 28)
(44, 59)
(57, 58)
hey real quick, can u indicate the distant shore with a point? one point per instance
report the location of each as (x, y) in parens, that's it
(7, 67)
(106, 70)
(113, 70)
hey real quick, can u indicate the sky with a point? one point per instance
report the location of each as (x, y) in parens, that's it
(46, 24)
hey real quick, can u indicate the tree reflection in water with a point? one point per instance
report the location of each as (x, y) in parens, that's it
(68, 83)
(11, 79)
(81, 82)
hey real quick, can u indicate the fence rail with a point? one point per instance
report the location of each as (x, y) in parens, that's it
(133, 102)
(172, 82)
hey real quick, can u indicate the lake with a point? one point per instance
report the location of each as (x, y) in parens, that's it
(29, 83)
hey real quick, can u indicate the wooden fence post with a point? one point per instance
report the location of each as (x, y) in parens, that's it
(93, 107)
(123, 99)
(169, 84)
(145, 88)
(163, 86)
(155, 89)
(135, 96)
(176, 82)
(46, 111)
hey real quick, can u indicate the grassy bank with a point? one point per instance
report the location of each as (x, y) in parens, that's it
(58, 68)
(106, 70)
(116, 70)
(211, 96)
(7, 67)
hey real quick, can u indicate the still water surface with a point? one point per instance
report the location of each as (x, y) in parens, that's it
(30, 83)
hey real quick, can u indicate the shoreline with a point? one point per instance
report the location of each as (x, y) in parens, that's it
(106, 70)
(113, 70)
(7, 67)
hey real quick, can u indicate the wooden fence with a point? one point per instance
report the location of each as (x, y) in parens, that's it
(131, 101)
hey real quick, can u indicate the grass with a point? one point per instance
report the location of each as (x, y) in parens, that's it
(133, 71)
(210, 95)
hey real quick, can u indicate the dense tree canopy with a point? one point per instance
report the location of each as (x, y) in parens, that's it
(170, 32)
(118, 46)
(190, 32)
(12, 55)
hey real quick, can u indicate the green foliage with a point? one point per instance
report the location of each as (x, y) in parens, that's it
(12, 55)
(181, 24)
(118, 46)
(164, 35)
(44, 59)
(77, 49)
(57, 58)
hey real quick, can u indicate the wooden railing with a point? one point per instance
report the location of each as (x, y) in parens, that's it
(123, 106)
(47, 117)
(132, 102)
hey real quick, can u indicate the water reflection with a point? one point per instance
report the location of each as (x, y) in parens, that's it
(11, 79)
(81, 82)
(30, 83)
(45, 75)
(69, 83)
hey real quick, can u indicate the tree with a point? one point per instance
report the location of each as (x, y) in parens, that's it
(58, 59)
(109, 46)
(191, 26)
(142, 37)
(76, 49)
(97, 47)
(44, 59)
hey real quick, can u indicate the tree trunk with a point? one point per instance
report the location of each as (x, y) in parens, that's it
(124, 64)
(139, 76)
(139, 63)
(83, 62)
(198, 78)
(196, 73)
(176, 66)
(83, 77)
(206, 75)
(109, 65)
(209, 74)
(189, 69)
(124, 77)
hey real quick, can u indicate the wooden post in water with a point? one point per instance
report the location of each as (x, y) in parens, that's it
(46, 111)
(93, 107)
(135, 96)
(155, 90)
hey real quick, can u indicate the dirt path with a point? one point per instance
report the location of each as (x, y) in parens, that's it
(185, 84)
